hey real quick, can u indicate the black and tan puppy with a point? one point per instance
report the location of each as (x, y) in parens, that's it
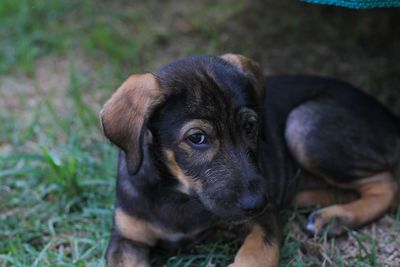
(210, 139)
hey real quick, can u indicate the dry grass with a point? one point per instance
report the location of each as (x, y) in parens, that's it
(376, 244)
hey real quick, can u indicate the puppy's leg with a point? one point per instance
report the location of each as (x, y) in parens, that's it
(323, 197)
(335, 141)
(313, 191)
(131, 241)
(257, 251)
(377, 194)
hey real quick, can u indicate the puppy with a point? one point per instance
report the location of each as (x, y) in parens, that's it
(209, 139)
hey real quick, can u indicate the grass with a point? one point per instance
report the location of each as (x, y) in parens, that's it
(56, 192)
(56, 169)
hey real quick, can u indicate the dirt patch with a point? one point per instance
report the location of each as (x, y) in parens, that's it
(52, 82)
(377, 244)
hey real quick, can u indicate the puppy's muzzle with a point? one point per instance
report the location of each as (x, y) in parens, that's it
(252, 204)
(253, 199)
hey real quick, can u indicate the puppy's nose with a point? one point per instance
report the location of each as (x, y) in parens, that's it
(252, 204)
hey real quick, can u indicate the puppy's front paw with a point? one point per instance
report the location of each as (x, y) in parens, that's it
(332, 220)
(123, 253)
(257, 251)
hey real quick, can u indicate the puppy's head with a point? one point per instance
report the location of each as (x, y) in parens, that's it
(203, 115)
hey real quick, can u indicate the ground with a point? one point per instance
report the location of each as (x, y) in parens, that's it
(60, 60)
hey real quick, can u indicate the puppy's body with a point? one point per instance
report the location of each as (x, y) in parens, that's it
(200, 145)
(328, 128)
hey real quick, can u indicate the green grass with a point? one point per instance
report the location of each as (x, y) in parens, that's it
(33, 28)
(57, 190)
(57, 171)
(30, 29)
(124, 35)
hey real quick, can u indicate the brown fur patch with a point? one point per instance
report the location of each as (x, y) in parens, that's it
(141, 231)
(256, 252)
(250, 68)
(135, 229)
(323, 197)
(377, 194)
(124, 114)
(186, 180)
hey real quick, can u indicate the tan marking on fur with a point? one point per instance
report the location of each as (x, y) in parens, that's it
(136, 229)
(185, 179)
(139, 230)
(250, 68)
(380, 177)
(124, 114)
(255, 252)
(323, 197)
(377, 194)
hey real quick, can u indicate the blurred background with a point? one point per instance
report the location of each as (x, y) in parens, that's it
(59, 62)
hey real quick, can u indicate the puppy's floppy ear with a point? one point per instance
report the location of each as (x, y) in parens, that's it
(125, 115)
(249, 68)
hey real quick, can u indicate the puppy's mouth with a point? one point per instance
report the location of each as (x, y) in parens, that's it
(249, 217)
(239, 217)
(226, 211)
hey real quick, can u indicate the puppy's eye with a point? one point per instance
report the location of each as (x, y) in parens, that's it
(198, 140)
